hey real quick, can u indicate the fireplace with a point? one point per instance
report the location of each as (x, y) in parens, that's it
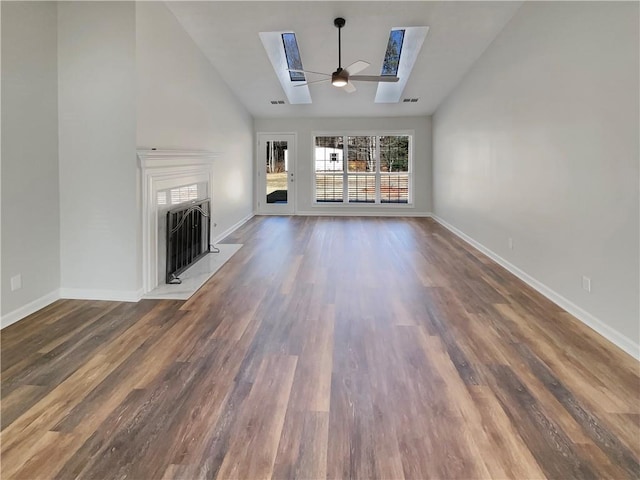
(185, 175)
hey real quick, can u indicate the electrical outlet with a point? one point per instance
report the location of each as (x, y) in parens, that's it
(16, 282)
(586, 283)
(510, 243)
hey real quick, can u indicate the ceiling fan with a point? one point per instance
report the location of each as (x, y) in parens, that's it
(343, 77)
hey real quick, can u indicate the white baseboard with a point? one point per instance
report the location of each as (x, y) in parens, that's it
(611, 334)
(232, 228)
(109, 295)
(351, 213)
(29, 308)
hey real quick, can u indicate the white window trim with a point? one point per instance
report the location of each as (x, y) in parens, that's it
(345, 191)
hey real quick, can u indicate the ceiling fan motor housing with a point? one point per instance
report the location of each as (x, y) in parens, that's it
(339, 78)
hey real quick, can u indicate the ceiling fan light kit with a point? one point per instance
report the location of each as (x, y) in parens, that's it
(338, 79)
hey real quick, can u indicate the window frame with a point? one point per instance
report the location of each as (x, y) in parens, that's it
(378, 174)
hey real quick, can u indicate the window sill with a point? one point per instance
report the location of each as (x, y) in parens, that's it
(362, 205)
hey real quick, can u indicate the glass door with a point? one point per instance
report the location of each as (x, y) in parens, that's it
(276, 162)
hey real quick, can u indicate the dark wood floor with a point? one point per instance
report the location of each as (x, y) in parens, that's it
(326, 347)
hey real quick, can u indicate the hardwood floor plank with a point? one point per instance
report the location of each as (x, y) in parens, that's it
(132, 373)
(20, 439)
(47, 457)
(19, 401)
(19, 372)
(289, 445)
(505, 442)
(34, 324)
(463, 412)
(22, 433)
(627, 429)
(572, 372)
(311, 390)
(312, 453)
(386, 400)
(181, 472)
(548, 444)
(302, 451)
(254, 445)
(593, 426)
(292, 274)
(80, 463)
(351, 450)
(443, 307)
(54, 329)
(210, 452)
(78, 348)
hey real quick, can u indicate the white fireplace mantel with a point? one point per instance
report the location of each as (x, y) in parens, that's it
(153, 158)
(162, 169)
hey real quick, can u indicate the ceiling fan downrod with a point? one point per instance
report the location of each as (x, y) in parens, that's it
(339, 23)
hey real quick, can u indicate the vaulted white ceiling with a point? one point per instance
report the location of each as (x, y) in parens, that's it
(227, 33)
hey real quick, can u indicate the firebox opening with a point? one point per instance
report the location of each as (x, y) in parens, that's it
(188, 237)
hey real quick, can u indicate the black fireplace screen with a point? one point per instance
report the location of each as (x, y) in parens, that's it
(188, 236)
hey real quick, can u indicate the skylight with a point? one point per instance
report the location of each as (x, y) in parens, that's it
(392, 56)
(293, 56)
(402, 52)
(282, 49)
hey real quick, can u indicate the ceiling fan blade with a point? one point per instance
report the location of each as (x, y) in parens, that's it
(373, 78)
(349, 87)
(308, 71)
(356, 67)
(315, 81)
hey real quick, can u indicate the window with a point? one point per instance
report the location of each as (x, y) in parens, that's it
(392, 55)
(329, 174)
(174, 196)
(377, 169)
(361, 168)
(293, 56)
(394, 169)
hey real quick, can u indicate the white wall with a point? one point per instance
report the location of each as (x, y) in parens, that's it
(30, 211)
(183, 103)
(540, 143)
(97, 134)
(0, 165)
(305, 127)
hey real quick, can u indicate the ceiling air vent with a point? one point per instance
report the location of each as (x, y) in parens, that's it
(409, 100)
(277, 102)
